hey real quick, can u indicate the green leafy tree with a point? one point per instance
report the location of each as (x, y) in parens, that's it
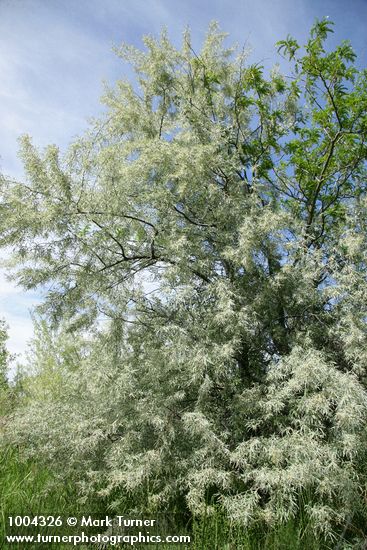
(215, 218)
(4, 354)
(4, 365)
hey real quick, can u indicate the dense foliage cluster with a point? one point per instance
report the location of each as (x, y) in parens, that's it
(5, 359)
(203, 254)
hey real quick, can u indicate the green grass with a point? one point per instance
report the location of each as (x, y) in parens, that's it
(217, 533)
(27, 488)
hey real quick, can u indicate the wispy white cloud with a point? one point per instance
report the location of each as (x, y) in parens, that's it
(15, 308)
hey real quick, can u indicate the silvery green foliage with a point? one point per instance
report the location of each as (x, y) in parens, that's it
(5, 359)
(206, 245)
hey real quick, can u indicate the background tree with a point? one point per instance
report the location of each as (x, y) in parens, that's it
(215, 217)
(4, 366)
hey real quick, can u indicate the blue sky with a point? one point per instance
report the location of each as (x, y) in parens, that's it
(54, 55)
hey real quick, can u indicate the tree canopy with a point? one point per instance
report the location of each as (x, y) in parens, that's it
(203, 252)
